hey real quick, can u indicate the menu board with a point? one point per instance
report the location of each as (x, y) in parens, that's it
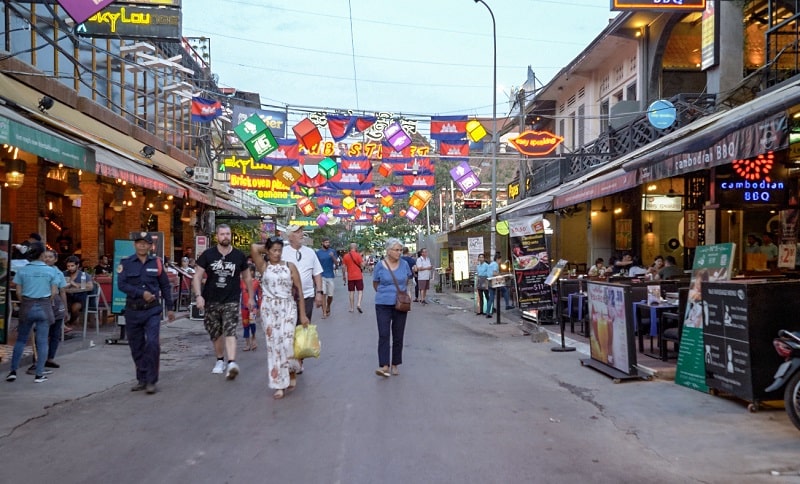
(122, 249)
(726, 346)
(610, 326)
(711, 263)
(531, 264)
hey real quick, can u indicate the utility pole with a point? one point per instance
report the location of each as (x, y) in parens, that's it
(523, 162)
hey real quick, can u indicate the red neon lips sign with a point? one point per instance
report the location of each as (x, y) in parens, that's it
(536, 143)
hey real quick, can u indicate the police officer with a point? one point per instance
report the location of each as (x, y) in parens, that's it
(141, 277)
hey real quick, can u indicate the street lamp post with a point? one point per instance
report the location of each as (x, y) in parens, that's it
(493, 228)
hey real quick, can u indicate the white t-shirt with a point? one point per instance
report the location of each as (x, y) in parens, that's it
(424, 274)
(307, 265)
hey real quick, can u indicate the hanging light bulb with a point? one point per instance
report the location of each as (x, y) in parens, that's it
(73, 190)
(186, 213)
(119, 200)
(15, 172)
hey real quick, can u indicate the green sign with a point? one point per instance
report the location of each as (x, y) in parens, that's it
(256, 137)
(122, 249)
(46, 145)
(712, 263)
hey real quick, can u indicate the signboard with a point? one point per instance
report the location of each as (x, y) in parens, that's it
(133, 22)
(691, 228)
(536, 143)
(460, 265)
(623, 234)
(659, 5)
(754, 181)
(200, 244)
(256, 136)
(122, 249)
(473, 204)
(5, 264)
(202, 175)
(709, 47)
(46, 145)
(662, 114)
(275, 120)
(531, 262)
(661, 203)
(611, 340)
(513, 189)
(712, 263)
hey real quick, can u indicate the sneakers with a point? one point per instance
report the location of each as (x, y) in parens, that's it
(138, 387)
(219, 367)
(40, 379)
(150, 388)
(233, 370)
(12, 376)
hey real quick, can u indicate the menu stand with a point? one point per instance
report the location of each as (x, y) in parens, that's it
(563, 348)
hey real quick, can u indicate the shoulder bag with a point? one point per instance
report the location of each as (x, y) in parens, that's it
(403, 303)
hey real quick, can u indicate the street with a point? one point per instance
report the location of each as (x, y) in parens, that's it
(473, 403)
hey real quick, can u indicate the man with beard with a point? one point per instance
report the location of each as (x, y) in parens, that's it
(225, 266)
(79, 286)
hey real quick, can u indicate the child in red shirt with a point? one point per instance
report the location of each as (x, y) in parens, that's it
(248, 320)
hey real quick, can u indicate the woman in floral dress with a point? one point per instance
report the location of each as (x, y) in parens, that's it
(278, 313)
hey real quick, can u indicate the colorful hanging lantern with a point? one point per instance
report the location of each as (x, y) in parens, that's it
(377, 218)
(348, 203)
(412, 213)
(386, 210)
(465, 178)
(403, 213)
(328, 168)
(475, 130)
(307, 134)
(308, 191)
(387, 201)
(385, 169)
(322, 220)
(287, 176)
(305, 205)
(419, 199)
(385, 191)
(397, 137)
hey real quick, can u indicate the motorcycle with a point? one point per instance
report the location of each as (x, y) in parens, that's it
(787, 345)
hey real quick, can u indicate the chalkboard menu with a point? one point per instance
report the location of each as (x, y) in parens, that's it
(743, 319)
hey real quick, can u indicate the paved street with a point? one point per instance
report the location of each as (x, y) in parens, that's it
(473, 403)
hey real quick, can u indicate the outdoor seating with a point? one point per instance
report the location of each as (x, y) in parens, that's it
(96, 305)
(565, 288)
(671, 327)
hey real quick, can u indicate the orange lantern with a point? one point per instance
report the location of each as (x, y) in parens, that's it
(305, 205)
(307, 133)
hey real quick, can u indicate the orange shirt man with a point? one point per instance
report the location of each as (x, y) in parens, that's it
(352, 275)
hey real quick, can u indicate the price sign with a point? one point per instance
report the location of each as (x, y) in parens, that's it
(786, 255)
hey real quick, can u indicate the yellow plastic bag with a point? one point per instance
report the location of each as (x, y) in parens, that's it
(306, 342)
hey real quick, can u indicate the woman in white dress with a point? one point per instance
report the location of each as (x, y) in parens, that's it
(278, 313)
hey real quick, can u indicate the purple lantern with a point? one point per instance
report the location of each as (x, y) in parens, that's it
(396, 136)
(465, 178)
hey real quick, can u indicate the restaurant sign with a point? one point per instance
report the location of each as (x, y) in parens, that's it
(661, 203)
(133, 22)
(536, 143)
(659, 5)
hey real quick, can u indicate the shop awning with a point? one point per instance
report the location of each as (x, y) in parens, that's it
(213, 200)
(534, 205)
(27, 135)
(114, 165)
(604, 185)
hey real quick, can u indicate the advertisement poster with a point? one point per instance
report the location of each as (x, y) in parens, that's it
(624, 234)
(460, 265)
(5, 263)
(530, 261)
(122, 249)
(610, 338)
(726, 346)
(711, 263)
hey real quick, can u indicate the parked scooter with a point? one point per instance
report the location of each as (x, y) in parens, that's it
(787, 344)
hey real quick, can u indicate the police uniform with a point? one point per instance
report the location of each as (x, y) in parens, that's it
(143, 319)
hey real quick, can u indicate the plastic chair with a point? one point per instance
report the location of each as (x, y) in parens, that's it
(92, 307)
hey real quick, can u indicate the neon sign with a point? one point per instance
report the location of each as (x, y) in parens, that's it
(753, 180)
(536, 143)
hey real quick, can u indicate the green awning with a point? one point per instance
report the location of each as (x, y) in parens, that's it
(17, 130)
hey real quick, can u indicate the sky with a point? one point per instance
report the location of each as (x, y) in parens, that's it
(414, 58)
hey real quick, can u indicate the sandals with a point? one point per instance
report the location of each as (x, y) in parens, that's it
(247, 347)
(278, 394)
(292, 381)
(395, 370)
(359, 310)
(383, 371)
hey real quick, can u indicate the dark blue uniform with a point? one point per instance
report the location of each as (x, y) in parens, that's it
(142, 319)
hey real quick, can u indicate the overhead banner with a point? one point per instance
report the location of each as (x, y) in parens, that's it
(275, 120)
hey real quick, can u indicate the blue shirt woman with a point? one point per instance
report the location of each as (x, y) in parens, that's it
(391, 322)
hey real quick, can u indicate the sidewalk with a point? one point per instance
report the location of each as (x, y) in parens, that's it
(87, 367)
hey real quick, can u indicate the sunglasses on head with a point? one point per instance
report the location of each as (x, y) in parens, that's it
(275, 239)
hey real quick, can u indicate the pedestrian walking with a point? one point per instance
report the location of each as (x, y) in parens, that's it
(424, 275)
(412, 264)
(143, 280)
(327, 259)
(59, 313)
(37, 284)
(483, 284)
(310, 270)
(353, 276)
(391, 322)
(279, 313)
(249, 318)
(224, 266)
